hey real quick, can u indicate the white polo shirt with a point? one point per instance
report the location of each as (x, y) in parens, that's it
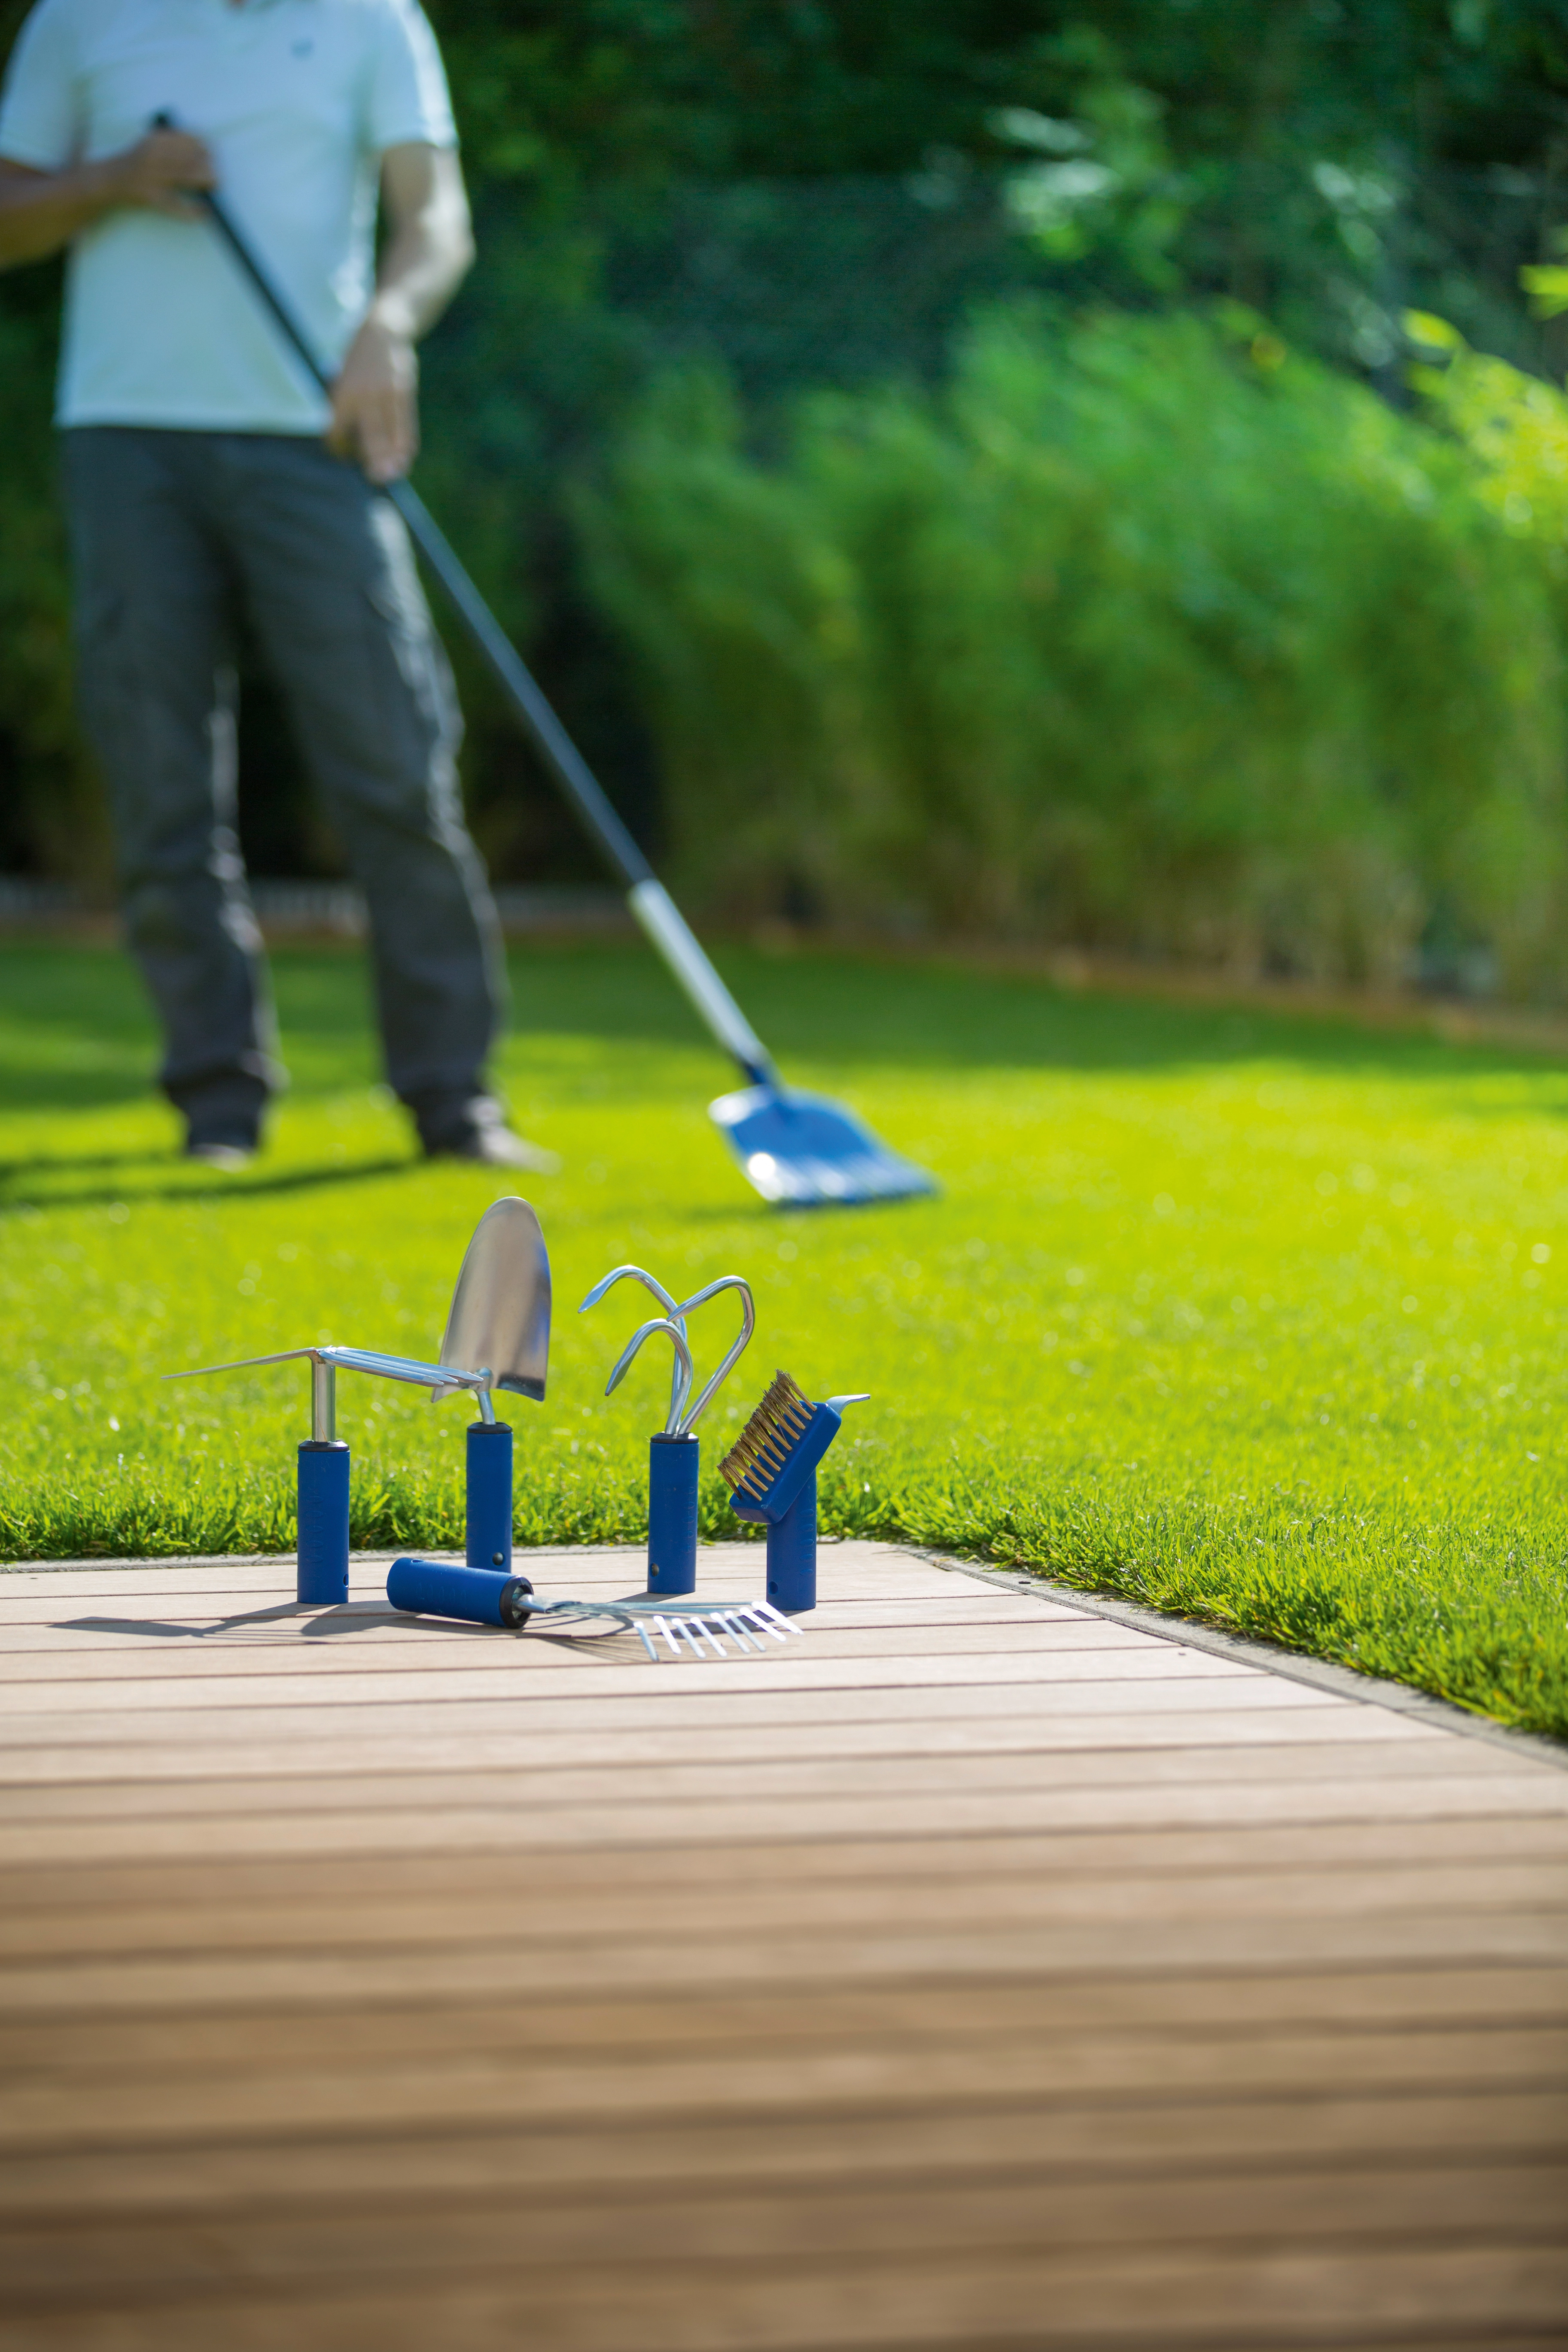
(297, 100)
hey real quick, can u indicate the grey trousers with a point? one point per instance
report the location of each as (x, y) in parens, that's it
(171, 533)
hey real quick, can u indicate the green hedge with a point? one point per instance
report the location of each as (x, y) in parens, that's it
(1145, 633)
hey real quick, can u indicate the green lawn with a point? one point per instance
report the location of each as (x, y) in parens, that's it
(1254, 1318)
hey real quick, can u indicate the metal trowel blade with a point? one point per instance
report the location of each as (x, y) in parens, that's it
(501, 1307)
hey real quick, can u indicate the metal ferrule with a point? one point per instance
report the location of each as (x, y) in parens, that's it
(323, 1400)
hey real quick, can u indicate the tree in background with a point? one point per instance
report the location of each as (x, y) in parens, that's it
(1324, 162)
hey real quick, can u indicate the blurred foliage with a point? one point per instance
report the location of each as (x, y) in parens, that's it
(1144, 632)
(817, 194)
(1514, 426)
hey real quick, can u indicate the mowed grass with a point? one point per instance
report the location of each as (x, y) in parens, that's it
(1250, 1317)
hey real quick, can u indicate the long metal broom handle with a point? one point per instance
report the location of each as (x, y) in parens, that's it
(650, 902)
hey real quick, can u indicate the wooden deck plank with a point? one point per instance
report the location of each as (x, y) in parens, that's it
(1469, 1999)
(1151, 1745)
(506, 1668)
(974, 1970)
(478, 2084)
(750, 1824)
(1151, 2295)
(108, 1891)
(682, 1778)
(848, 1697)
(896, 1914)
(198, 1981)
(1523, 2203)
(55, 1620)
(860, 1571)
(969, 1769)
(1080, 1649)
(93, 1776)
(114, 1623)
(780, 1688)
(524, 1917)
(1057, 2140)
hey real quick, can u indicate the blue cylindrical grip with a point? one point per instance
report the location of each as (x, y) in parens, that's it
(792, 1553)
(435, 1588)
(672, 1514)
(323, 1575)
(489, 1495)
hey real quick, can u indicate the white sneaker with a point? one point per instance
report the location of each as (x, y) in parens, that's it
(230, 1157)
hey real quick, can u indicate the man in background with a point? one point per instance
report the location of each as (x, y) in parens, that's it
(206, 475)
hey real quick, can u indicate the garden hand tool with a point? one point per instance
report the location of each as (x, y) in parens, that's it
(674, 1452)
(696, 1623)
(500, 1307)
(500, 1315)
(804, 1149)
(771, 1471)
(430, 1587)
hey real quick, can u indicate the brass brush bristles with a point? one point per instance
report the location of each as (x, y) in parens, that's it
(767, 1440)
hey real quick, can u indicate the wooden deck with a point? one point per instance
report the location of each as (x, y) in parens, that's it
(978, 1973)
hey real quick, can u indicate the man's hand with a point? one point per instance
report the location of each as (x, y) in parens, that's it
(160, 172)
(429, 248)
(41, 211)
(374, 415)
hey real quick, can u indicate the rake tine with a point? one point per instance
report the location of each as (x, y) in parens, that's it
(706, 1627)
(773, 1617)
(742, 1637)
(696, 1632)
(662, 1625)
(756, 1619)
(641, 1630)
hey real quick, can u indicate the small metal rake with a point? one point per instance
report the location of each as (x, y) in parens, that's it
(682, 1631)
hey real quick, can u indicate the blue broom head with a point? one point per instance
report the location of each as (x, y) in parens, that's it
(777, 1452)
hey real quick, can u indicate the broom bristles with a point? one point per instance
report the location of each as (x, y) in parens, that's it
(767, 1440)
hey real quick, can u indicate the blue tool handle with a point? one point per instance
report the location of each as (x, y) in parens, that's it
(436, 1587)
(672, 1514)
(322, 1574)
(488, 1526)
(792, 1553)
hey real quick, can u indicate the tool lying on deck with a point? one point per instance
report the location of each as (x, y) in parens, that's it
(804, 1149)
(433, 1588)
(771, 1471)
(674, 1453)
(499, 1324)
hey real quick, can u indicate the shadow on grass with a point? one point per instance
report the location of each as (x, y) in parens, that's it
(223, 1188)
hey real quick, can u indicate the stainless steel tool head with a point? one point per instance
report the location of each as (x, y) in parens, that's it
(683, 1627)
(501, 1307)
(676, 1333)
(673, 1320)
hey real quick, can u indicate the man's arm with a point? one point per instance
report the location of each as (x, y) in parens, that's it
(41, 211)
(428, 253)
